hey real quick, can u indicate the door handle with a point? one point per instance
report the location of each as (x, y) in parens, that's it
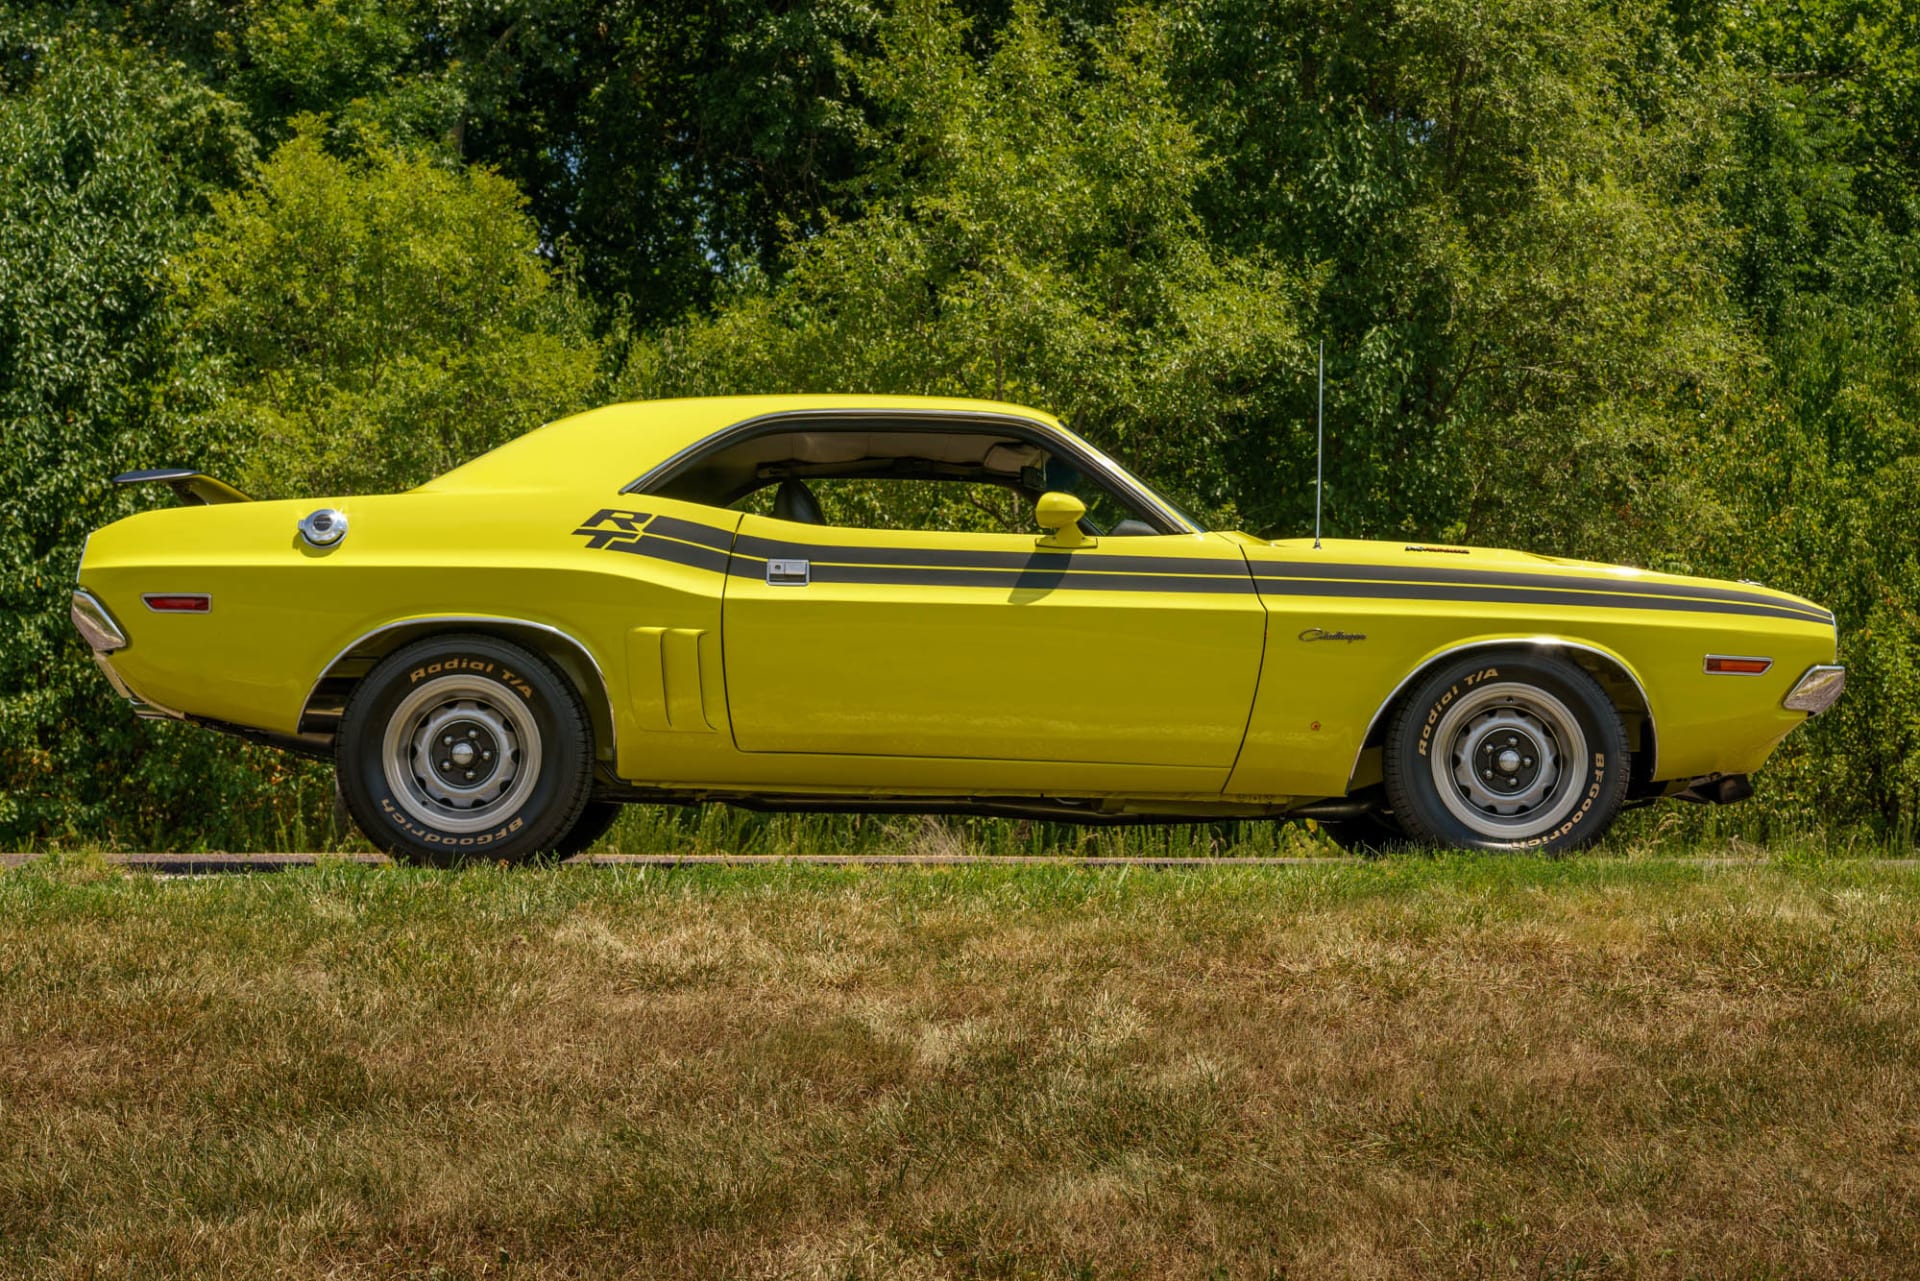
(789, 573)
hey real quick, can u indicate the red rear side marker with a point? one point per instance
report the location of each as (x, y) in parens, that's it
(178, 603)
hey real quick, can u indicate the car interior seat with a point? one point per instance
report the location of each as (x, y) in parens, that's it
(794, 501)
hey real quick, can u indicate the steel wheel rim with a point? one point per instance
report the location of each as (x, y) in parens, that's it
(459, 755)
(1509, 760)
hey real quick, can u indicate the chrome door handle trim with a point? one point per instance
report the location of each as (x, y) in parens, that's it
(789, 573)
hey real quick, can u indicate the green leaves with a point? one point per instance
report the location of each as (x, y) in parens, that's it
(1028, 233)
(104, 159)
(368, 323)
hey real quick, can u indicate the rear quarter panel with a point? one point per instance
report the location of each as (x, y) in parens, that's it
(283, 611)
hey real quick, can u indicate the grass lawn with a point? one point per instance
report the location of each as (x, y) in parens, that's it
(1586, 1068)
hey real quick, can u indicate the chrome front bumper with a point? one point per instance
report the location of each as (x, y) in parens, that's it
(1817, 690)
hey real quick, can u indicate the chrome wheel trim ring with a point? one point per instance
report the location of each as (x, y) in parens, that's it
(1547, 789)
(429, 796)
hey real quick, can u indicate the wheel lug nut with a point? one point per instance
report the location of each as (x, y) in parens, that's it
(446, 764)
(1486, 773)
(486, 756)
(1527, 761)
(473, 733)
(446, 738)
(469, 773)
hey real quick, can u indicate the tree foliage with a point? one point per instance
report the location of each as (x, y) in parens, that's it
(1028, 233)
(1518, 283)
(104, 161)
(367, 324)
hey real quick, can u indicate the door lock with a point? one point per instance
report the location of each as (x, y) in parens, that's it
(789, 573)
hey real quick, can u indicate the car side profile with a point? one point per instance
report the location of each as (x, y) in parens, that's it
(908, 604)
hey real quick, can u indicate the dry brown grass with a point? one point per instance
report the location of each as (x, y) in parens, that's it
(1446, 1068)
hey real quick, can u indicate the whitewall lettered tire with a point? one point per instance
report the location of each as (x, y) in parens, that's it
(1507, 750)
(465, 748)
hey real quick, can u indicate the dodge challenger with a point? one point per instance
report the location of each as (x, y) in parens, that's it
(900, 604)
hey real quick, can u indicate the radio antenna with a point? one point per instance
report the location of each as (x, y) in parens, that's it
(1319, 445)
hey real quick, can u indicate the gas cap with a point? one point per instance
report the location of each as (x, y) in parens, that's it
(323, 528)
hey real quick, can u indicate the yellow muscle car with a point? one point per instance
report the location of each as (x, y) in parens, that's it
(901, 604)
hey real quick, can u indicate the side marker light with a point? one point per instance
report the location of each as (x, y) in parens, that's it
(178, 603)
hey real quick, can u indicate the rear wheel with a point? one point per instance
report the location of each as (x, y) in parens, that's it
(1507, 751)
(461, 748)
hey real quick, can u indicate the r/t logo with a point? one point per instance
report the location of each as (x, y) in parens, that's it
(612, 528)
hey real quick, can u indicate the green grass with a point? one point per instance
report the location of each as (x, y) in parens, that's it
(1611, 1067)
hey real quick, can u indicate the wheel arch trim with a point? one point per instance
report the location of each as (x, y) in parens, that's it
(426, 624)
(1539, 642)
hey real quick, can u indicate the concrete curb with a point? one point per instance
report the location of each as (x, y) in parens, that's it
(213, 863)
(200, 864)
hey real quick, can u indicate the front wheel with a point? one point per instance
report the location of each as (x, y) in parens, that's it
(459, 748)
(1507, 751)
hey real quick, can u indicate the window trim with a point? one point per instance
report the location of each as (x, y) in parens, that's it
(1036, 432)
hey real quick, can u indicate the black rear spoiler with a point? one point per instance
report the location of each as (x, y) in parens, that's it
(196, 488)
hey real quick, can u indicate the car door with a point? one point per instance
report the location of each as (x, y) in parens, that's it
(1140, 651)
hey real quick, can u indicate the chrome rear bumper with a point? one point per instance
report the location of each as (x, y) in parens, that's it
(101, 631)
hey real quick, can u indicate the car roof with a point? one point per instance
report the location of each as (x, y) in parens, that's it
(614, 444)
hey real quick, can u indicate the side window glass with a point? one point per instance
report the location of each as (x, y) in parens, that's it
(970, 479)
(957, 507)
(1103, 509)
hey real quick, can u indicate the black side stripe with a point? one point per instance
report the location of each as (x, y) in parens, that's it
(679, 553)
(1504, 578)
(960, 558)
(1036, 578)
(1046, 579)
(689, 532)
(765, 548)
(1466, 592)
(704, 547)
